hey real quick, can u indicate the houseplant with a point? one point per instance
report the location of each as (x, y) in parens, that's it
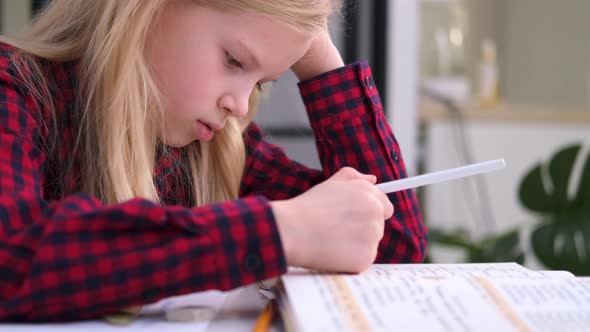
(561, 238)
(504, 247)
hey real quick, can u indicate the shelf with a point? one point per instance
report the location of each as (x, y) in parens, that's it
(430, 111)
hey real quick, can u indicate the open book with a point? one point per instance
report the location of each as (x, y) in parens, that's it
(435, 297)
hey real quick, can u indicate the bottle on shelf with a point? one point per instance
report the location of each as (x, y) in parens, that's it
(488, 87)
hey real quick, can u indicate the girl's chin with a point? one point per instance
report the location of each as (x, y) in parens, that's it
(177, 142)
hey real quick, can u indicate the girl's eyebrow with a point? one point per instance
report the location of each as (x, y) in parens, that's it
(252, 57)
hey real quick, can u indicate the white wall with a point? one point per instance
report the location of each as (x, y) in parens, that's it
(449, 205)
(402, 77)
(14, 15)
(545, 51)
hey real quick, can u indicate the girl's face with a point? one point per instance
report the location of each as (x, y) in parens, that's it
(207, 62)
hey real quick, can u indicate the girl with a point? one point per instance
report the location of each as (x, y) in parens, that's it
(130, 170)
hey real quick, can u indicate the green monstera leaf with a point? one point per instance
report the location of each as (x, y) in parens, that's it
(562, 239)
(564, 245)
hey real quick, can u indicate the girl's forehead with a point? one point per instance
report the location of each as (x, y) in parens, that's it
(264, 34)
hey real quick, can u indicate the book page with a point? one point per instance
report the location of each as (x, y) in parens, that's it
(428, 297)
(370, 303)
(548, 305)
(490, 270)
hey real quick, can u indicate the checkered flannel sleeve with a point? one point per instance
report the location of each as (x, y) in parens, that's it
(76, 258)
(350, 129)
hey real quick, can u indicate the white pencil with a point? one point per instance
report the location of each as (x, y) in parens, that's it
(440, 176)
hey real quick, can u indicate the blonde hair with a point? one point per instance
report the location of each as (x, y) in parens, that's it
(118, 99)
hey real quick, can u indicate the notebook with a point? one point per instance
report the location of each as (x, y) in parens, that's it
(435, 297)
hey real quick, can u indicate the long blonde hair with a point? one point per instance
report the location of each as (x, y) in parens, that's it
(118, 99)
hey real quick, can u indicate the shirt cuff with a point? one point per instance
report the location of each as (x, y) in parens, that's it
(249, 242)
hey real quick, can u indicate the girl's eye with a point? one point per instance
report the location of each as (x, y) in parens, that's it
(233, 62)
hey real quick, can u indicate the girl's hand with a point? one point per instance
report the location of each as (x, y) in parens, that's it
(336, 225)
(321, 56)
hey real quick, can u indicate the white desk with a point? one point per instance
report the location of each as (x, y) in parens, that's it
(239, 312)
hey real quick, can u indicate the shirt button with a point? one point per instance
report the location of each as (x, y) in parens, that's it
(395, 156)
(368, 82)
(253, 263)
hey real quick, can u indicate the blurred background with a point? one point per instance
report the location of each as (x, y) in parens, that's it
(464, 81)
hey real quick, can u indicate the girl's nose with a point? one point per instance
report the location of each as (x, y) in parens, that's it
(236, 104)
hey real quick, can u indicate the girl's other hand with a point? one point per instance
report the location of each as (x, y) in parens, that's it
(321, 57)
(336, 225)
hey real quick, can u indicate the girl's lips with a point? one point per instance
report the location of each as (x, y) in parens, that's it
(204, 131)
(214, 126)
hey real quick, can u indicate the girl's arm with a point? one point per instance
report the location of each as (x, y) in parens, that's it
(76, 258)
(350, 129)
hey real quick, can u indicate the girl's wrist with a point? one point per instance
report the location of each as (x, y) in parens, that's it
(283, 215)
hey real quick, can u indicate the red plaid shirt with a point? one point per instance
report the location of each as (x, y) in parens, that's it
(69, 257)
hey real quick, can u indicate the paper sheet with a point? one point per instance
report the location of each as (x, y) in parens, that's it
(154, 322)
